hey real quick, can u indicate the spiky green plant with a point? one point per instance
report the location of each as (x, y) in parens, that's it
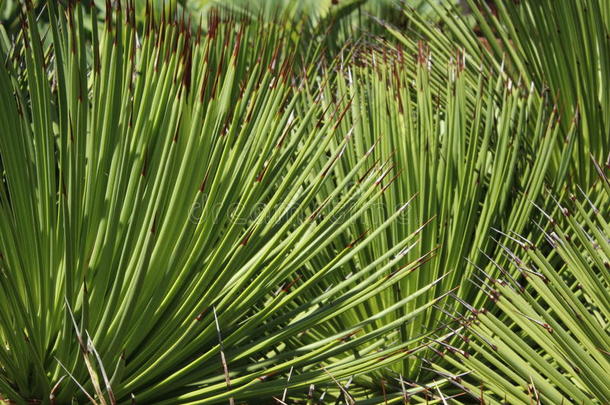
(203, 218)
(173, 228)
(476, 147)
(549, 343)
(560, 46)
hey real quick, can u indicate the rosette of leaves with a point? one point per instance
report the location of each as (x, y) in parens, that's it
(167, 234)
(476, 147)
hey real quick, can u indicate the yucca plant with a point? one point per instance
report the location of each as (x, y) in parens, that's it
(562, 47)
(559, 48)
(476, 147)
(174, 229)
(268, 207)
(550, 342)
